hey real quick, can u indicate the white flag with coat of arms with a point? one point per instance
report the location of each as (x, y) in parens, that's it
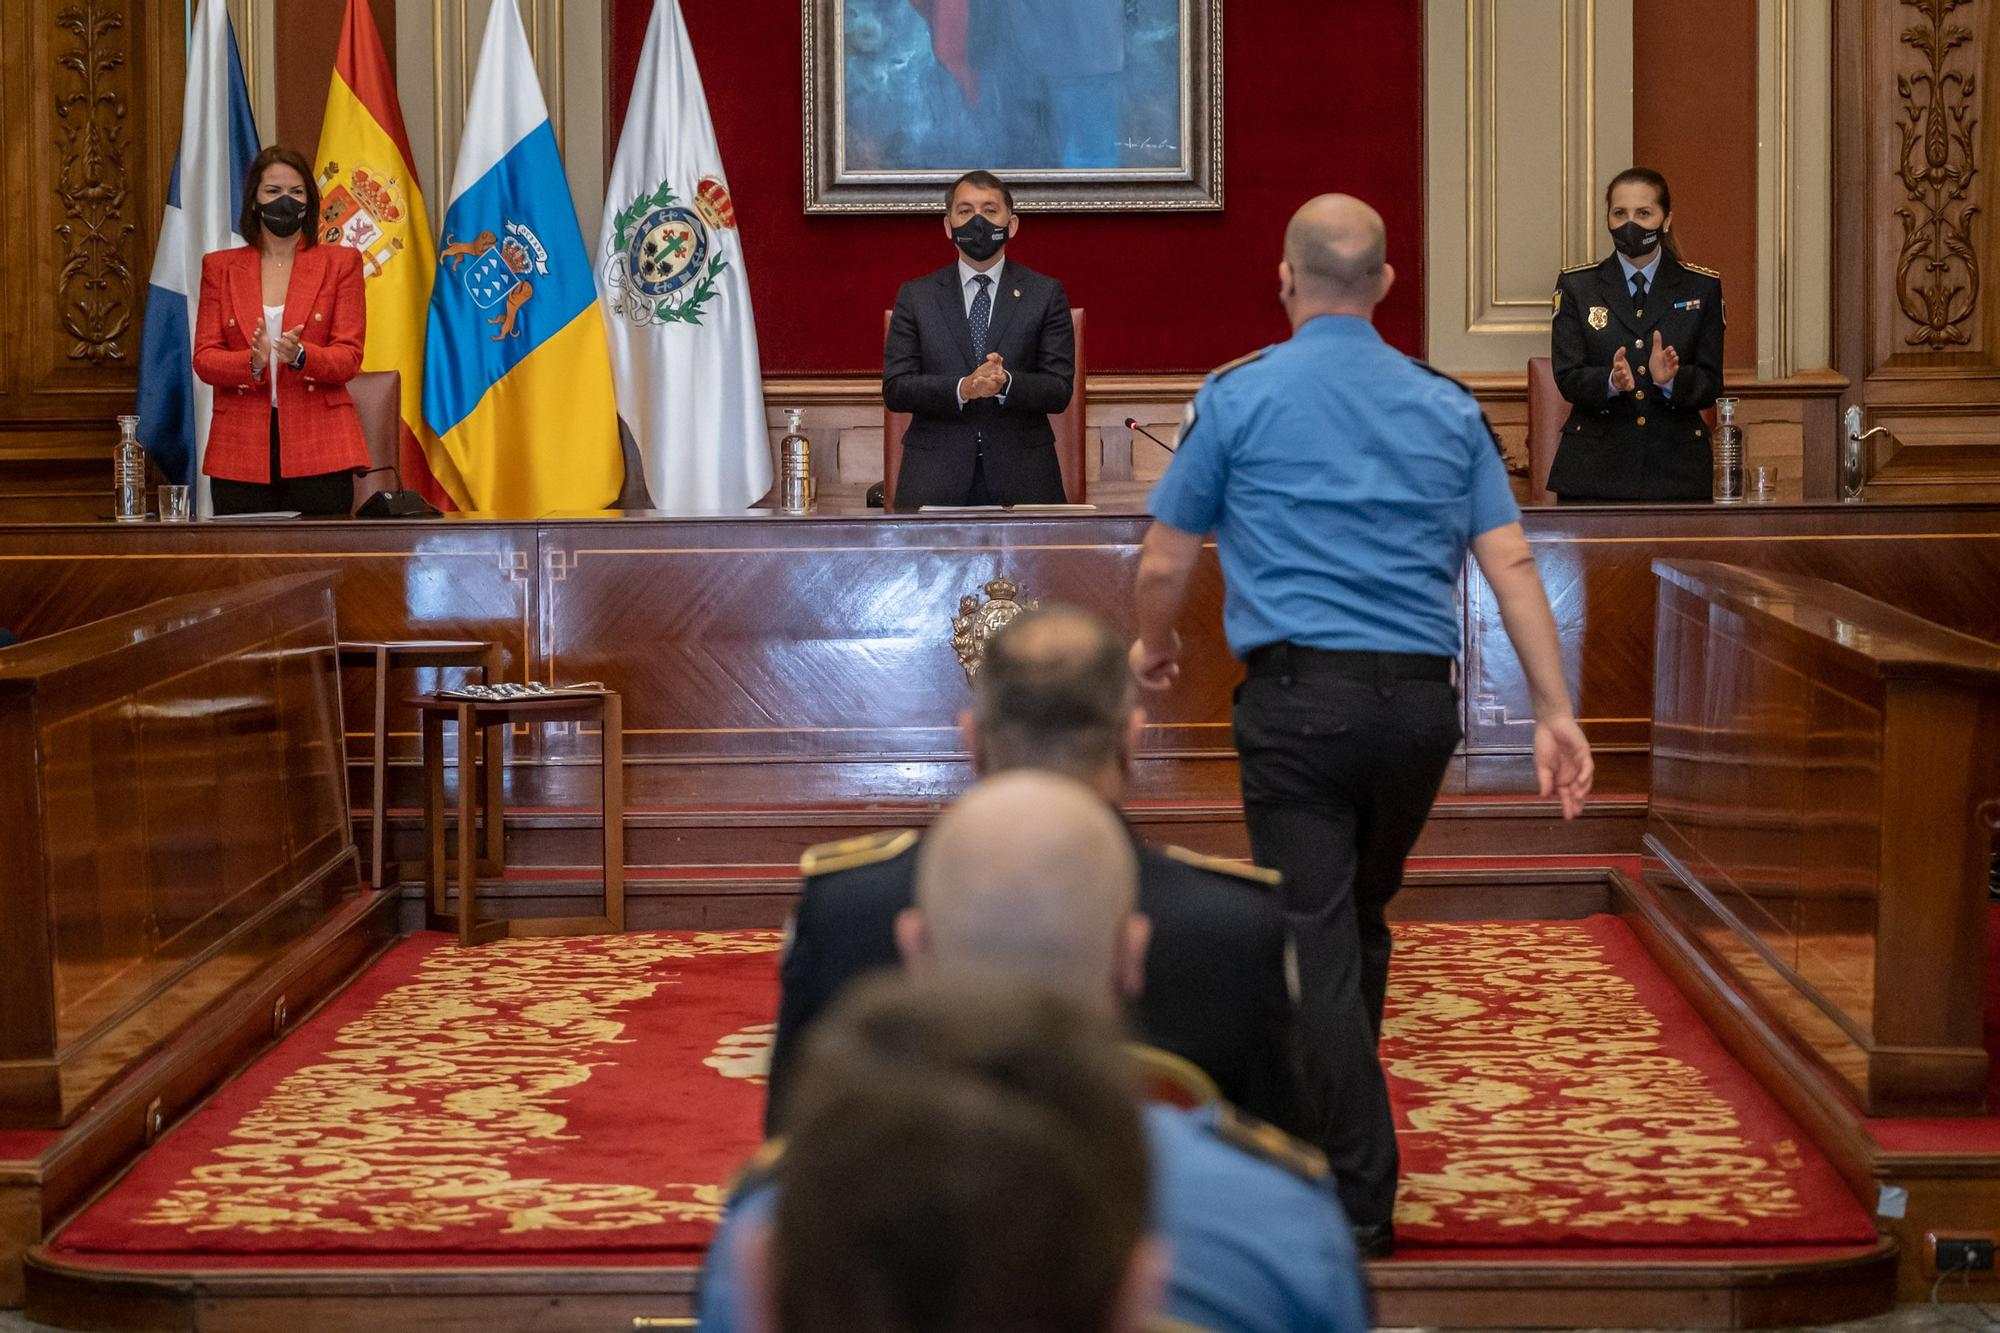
(675, 298)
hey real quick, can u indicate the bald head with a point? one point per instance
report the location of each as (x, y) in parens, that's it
(1334, 248)
(1029, 873)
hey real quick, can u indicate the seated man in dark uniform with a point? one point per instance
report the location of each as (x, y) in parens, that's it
(1054, 695)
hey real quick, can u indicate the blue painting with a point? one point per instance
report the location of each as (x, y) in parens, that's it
(1058, 91)
(1012, 85)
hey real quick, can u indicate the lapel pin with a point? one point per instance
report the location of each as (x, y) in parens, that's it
(1017, 293)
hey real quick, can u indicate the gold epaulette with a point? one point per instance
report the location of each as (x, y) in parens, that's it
(1237, 364)
(1169, 1078)
(848, 853)
(762, 1165)
(1234, 869)
(1705, 272)
(1581, 268)
(1268, 1143)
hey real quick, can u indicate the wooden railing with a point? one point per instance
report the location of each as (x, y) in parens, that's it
(173, 815)
(1825, 770)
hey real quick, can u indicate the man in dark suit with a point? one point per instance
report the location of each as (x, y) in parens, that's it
(1053, 695)
(979, 354)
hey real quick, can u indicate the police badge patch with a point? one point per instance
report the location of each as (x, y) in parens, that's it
(1599, 316)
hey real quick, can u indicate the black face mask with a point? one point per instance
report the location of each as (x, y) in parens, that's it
(980, 238)
(1634, 240)
(282, 216)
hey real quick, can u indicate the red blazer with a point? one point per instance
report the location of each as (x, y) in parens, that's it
(319, 430)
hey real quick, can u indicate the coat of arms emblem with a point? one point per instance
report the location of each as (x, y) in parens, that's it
(663, 260)
(360, 212)
(976, 622)
(499, 271)
(1599, 316)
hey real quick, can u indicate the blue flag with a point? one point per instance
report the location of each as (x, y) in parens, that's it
(204, 199)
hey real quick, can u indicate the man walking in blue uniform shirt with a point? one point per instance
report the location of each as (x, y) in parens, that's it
(1344, 483)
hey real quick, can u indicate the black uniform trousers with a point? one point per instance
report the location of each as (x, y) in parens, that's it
(1342, 755)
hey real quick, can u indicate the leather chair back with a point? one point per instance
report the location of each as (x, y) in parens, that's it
(378, 400)
(1068, 426)
(1547, 410)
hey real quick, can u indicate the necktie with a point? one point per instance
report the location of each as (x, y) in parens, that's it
(1639, 293)
(980, 316)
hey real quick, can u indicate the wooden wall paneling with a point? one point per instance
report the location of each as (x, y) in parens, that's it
(92, 93)
(1917, 328)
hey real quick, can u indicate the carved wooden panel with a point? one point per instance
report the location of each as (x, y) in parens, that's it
(91, 94)
(1915, 319)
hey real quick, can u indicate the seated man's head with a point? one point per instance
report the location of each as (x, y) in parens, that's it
(1033, 874)
(1054, 693)
(966, 1155)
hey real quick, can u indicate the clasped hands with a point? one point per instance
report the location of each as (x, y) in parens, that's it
(988, 381)
(1661, 366)
(285, 353)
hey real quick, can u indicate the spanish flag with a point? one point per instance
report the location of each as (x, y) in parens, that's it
(369, 200)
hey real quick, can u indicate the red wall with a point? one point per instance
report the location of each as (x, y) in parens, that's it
(307, 38)
(1317, 97)
(1713, 169)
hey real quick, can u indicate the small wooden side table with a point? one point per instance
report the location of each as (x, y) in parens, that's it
(382, 657)
(484, 717)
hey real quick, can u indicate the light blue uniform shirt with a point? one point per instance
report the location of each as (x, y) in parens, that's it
(1344, 483)
(1255, 1248)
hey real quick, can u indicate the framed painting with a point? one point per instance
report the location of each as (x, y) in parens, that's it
(1079, 104)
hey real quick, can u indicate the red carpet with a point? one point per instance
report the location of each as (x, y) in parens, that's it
(531, 1096)
(1554, 1089)
(585, 1100)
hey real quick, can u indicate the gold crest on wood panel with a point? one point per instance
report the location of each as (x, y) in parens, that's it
(976, 622)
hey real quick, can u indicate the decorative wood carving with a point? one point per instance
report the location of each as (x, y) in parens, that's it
(95, 281)
(1937, 273)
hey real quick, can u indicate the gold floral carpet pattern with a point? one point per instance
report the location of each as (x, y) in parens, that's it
(559, 1099)
(530, 1094)
(1552, 1087)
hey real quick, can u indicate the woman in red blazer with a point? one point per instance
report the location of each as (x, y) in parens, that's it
(279, 335)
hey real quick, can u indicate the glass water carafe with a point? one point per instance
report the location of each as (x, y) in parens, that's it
(128, 474)
(796, 492)
(1728, 453)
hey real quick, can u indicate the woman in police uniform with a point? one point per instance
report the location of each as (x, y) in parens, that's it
(1637, 345)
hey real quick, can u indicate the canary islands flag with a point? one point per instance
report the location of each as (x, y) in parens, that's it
(517, 378)
(369, 200)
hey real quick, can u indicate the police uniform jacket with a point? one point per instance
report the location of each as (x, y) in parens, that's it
(1640, 444)
(1215, 986)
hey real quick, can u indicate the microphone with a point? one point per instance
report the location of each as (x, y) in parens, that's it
(1132, 423)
